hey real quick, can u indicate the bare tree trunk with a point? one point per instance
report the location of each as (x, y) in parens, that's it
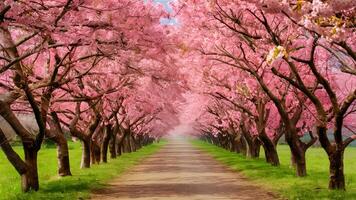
(104, 150)
(132, 143)
(144, 140)
(120, 143)
(85, 163)
(127, 145)
(97, 152)
(270, 150)
(298, 149)
(112, 145)
(12, 156)
(27, 169)
(231, 143)
(253, 145)
(139, 141)
(336, 160)
(94, 153)
(208, 139)
(298, 157)
(336, 170)
(63, 158)
(56, 134)
(122, 149)
(300, 163)
(105, 143)
(30, 178)
(240, 145)
(255, 149)
(119, 149)
(271, 156)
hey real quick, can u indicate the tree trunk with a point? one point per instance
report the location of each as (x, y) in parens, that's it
(208, 139)
(300, 164)
(132, 144)
(293, 162)
(218, 140)
(253, 144)
(119, 145)
(139, 142)
(62, 155)
(254, 149)
(336, 169)
(122, 149)
(112, 146)
(11, 155)
(30, 178)
(119, 149)
(240, 145)
(105, 144)
(235, 147)
(215, 140)
(336, 160)
(298, 149)
(94, 153)
(127, 145)
(63, 158)
(270, 151)
(298, 158)
(56, 135)
(97, 152)
(232, 145)
(104, 150)
(85, 155)
(271, 156)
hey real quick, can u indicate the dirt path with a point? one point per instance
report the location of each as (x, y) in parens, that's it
(180, 171)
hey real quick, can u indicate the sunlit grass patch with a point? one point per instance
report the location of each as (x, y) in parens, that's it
(77, 186)
(283, 180)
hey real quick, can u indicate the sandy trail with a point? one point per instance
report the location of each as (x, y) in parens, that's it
(180, 171)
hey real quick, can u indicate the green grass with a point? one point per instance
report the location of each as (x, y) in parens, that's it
(77, 186)
(282, 179)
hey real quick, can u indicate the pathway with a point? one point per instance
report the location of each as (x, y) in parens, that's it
(180, 171)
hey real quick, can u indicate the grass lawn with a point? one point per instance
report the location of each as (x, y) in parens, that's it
(77, 186)
(282, 179)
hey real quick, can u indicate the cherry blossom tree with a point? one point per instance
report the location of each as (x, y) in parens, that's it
(290, 62)
(52, 55)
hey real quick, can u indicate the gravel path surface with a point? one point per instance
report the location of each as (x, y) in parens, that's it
(180, 171)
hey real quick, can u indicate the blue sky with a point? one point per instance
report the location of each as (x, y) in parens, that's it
(165, 3)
